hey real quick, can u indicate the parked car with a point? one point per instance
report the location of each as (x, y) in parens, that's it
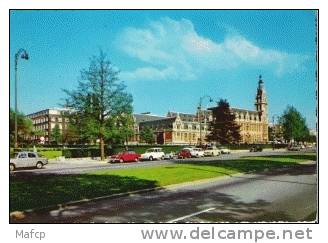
(211, 151)
(153, 153)
(169, 155)
(126, 156)
(184, 153)
(294, 148)
(224, 150)
(256, 148)
(26, 159)
(196, 152)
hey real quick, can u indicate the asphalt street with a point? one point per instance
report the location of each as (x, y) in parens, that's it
(84, 166)
(281, 195)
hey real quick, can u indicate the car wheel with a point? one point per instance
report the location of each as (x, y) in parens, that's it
(11, 167)
(151, 158)
(39, 165)
(162, 158)
(136, 159)
(121, 160)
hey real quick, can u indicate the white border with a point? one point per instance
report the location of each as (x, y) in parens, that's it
(129, 233)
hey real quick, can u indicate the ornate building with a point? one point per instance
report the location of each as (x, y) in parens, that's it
(254, 124)
(183, 128)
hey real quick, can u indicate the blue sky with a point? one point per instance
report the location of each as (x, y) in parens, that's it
(169, 59)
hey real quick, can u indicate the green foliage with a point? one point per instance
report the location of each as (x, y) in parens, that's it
(24, 127)
(223, 128)
(294, 125)
(102, 107)
(83, 153)
(147, 135)
(56, 136)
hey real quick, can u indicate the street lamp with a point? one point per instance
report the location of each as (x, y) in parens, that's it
(199, 113)
(23, 55)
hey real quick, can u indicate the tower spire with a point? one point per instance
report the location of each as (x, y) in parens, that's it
(261, 99)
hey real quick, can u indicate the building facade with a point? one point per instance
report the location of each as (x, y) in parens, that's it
(175, 127)
(44, 121)
(182, 128)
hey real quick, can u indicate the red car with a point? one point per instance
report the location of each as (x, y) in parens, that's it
(184, 153)
(126, 156)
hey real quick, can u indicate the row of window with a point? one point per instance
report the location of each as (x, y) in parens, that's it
(251, 127)
(186, 136)
(52, 119)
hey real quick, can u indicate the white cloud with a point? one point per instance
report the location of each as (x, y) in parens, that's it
(170, 49)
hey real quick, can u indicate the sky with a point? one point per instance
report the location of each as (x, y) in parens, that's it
(168, 59)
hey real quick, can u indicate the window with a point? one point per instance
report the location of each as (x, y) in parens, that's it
(31, 155)
(23, 155)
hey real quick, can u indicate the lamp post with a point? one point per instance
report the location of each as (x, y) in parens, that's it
(199, 114)
(273, 132)
(20, 54)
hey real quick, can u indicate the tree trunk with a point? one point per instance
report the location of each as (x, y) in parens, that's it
(102, 148)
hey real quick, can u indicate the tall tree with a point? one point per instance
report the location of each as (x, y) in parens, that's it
(147, 135)
(24, 126)
(99, 100)
(56, 135)
(223, 128)
(294, 125)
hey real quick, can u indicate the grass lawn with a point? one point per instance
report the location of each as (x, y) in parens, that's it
(51, 154)
(38, 191)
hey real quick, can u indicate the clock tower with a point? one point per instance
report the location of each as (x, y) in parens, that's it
(261, 104)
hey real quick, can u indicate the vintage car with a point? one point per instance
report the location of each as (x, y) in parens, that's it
(170, 155)
(27, 159)
(153, 153)
(224, 150)
(211, 151)
(184, 153)
(196, 152)
(126, 156)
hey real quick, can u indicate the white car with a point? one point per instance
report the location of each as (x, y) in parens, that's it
(153, 153)
(196, 152)
(27, 159)
(170, 155)
(224, 150)
(211, 151)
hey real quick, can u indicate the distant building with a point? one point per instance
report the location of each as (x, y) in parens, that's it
(45, 120)
(183, 128)
(175, 127)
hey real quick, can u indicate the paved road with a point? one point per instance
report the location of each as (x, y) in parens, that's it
(83, 166)
(285, 195)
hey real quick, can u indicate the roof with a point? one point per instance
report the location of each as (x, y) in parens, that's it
(244, 110)
(239, 110)
(145, 117)
(183, 116)
(164, 119)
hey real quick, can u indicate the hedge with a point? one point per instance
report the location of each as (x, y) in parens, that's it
(93, 151)
(84, 152)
